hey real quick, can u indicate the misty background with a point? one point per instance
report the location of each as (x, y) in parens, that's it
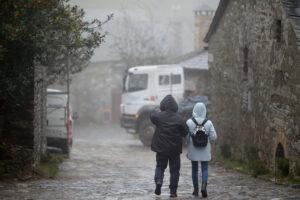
(171, 21)
(142, 32)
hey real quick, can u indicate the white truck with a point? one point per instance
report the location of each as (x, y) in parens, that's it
(144, 88)
(59, 130)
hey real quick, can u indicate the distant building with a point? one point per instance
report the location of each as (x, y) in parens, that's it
(254, 50)
(96, 93)
(195, 67)
(203, 18)
(195, 63)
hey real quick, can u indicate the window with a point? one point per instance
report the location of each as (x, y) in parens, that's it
(278, 30)
(164, 80)
(137, 82)
(176, 79)
(279, 79)
(246, 55)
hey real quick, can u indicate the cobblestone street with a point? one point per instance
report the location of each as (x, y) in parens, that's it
(107, 163)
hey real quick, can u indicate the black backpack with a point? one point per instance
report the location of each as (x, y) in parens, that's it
(200, 139)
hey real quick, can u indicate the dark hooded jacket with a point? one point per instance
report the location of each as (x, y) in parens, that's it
(170, 128)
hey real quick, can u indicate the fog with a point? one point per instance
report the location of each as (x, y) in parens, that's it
(140, 33)
(98, 97)
(164, 17)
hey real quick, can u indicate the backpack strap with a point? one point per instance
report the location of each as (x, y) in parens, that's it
(204, 122)
(195, 121)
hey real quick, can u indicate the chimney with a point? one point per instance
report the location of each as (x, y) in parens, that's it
(203, 18)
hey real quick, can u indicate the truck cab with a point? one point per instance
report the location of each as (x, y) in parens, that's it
(144, 88)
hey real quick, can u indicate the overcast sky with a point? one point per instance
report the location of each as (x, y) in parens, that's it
(160, 11)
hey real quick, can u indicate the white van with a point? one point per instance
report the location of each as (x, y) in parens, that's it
(59, 124)
(144, 88)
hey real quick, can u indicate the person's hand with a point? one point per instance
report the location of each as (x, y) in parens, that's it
(156, 109)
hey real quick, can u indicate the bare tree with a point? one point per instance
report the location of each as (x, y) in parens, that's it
(138, 42)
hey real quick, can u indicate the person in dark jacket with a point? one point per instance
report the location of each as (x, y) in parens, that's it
(167, 143)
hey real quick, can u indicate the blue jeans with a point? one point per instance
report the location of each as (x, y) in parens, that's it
(204, 170)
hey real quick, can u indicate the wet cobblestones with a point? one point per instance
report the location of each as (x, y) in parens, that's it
(107, 163)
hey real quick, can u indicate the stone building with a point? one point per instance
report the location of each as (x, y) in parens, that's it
(195, 66)
(254, 59)
(195, 63)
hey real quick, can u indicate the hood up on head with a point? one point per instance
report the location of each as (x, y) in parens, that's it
(199, 112)
(168, 104)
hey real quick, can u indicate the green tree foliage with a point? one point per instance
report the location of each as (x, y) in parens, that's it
(51, 31)
(39, 33)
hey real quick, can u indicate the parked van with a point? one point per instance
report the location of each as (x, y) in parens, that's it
(59, 130)
(144, 88)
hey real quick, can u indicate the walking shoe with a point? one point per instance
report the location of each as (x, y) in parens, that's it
(158, 189)
(173, 195)
(203, 189)
(196, 192)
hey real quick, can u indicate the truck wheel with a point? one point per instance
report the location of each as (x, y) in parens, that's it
(66, 149)
(146, 132)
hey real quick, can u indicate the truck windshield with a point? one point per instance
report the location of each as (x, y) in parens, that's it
(137, 82)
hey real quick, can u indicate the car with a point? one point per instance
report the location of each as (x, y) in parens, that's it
(59, 129)
(185, 107)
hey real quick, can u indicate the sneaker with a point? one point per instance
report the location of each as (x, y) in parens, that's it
(158, 189)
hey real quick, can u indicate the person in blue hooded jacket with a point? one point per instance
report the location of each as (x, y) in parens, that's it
(200, 154)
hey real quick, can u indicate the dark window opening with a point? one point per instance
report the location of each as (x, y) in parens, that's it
(279, 78)
(278, 31)
(246, 61)
(281, 163)
(279, 151)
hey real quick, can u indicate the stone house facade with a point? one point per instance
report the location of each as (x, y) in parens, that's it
(254, 59)
(195, 66)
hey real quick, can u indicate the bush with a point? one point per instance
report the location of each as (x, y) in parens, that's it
(257, 168)
(49, 165)
(283, 167)
(225, 151)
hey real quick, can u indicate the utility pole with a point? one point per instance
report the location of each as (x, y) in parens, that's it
(171, 84)
(68, 90)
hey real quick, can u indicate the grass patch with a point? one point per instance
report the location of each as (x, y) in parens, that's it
(288, 180)
(49, 165)
(252, 165)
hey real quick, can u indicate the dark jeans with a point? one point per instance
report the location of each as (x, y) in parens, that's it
(161, 165)
(204, 170)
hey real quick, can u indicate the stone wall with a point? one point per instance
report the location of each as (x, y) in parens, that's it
(255, 86)
(196, 80)
(40, 113)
